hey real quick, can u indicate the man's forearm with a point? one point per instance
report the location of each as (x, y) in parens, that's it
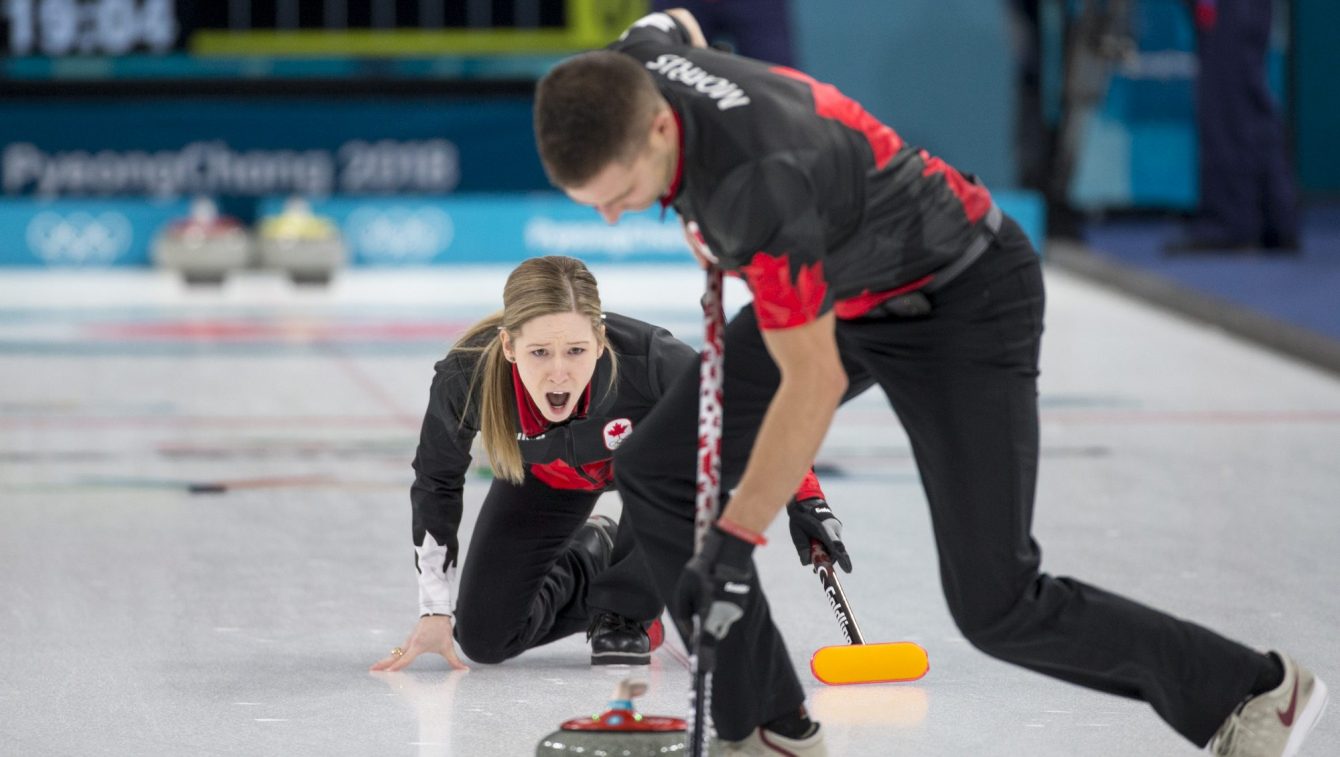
(792, 431)
(812, 384)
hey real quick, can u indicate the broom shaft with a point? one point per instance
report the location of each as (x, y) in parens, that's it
(709, 491)
(837, 598)
(709, 410)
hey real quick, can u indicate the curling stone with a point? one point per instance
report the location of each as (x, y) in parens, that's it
(204, 246)
(308, 247)
(619, 731)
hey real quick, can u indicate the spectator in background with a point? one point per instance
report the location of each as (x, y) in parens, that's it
(1032, 134)
(1092, 38)
(758, 29)
(1247, 194)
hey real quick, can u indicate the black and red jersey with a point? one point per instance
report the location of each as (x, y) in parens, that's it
(796, 188)
(575, 454)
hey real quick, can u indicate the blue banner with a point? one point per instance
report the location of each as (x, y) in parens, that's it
(253, 147)
(492, 229)
(82, 233)
(385, 231)
(508, 229)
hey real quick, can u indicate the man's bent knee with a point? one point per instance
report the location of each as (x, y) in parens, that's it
(995, 629)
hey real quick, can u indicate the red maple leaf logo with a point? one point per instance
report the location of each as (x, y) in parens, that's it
(780, 302)
(615, 431)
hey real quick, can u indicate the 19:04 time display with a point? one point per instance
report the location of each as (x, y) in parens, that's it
(88, 27)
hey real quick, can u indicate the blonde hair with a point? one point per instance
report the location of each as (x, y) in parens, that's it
(538, 287)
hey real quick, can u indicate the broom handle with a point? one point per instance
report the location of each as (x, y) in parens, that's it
(837, 598)
(709, 493)
(709, 410)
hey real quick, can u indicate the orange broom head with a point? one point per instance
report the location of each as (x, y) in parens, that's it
(890, 662)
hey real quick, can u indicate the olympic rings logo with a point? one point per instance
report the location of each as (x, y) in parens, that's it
(79, 239)
(398, 234)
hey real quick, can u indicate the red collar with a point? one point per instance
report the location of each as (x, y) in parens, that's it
(533, 422)
(673, 191)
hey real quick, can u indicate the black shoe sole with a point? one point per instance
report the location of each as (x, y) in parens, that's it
(620, 658)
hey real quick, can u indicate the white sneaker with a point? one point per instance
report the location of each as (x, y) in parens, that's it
(765, 743)
(1275, 723)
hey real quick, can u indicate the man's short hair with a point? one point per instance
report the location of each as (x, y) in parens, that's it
(591, 110)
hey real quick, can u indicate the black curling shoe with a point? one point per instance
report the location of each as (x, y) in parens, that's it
(617, 640)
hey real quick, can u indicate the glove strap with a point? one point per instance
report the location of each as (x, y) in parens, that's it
(741, 533)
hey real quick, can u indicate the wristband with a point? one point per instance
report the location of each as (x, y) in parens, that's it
(741, 533)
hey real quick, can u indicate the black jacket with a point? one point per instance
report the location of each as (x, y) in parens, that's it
(575, 454)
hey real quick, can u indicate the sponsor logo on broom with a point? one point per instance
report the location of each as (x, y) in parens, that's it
(831, 592)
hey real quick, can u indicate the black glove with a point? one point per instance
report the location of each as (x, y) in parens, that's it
(812, 519)
(715, 585)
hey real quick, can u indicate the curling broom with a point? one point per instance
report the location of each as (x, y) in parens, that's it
(708, 498)
(856, 661)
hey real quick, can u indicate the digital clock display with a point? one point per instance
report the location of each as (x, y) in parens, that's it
(87, 27)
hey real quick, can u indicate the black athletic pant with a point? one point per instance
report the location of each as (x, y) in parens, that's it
(963, 382)
(525, 584)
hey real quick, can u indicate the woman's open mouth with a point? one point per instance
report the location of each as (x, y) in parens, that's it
(557, 400)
